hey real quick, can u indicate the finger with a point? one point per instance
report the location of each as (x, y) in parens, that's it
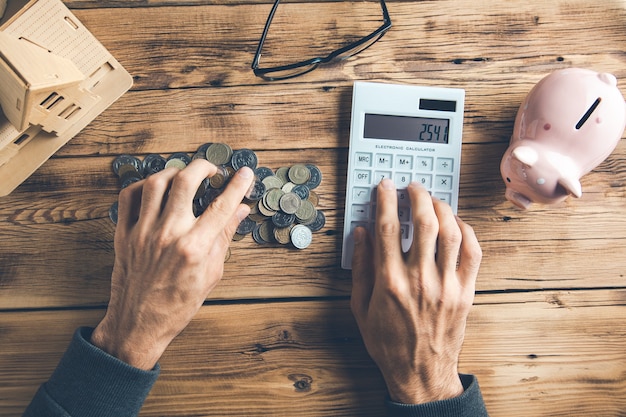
(155, 191)
(425, 225)
(219, 213)
(128, 207)
(362, 273)
(218, 251)
(185, 185)
(449, 239)
(470, 255)
(387, 236)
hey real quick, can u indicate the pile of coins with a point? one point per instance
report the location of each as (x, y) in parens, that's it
(282, 202)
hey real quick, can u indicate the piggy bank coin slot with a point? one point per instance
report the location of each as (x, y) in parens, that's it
(587, 115)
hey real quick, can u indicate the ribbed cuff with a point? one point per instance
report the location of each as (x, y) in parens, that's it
(91, 383)
(468, 404)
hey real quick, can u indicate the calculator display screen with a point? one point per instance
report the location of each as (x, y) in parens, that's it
(407, 128)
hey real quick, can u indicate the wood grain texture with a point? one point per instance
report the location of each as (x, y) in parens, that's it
(537, 353)
(58, 249)
(547, 336)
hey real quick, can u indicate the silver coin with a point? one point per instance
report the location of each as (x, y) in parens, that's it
(219, 153)
(263, 172)
(177, 163)
(301, 236)
(316, 177)
(126, 160)
(301, 191)
(113, 212)
(256, 192)
(318, 223)
(246, 226)
(180, 155)
(152, 164)
(244, 158)
(290, 203)
(281, 219)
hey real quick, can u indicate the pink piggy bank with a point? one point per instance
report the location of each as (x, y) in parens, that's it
(567, 125)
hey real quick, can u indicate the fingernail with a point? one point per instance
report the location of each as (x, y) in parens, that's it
(387, 184)
(359, 235)
(246, 172)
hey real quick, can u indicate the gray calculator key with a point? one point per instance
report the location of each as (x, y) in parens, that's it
(363, 159)
(362, 177)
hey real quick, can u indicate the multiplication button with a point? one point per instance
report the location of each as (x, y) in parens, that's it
(443, 182)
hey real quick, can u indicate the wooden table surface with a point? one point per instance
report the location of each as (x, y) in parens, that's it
(547, 334)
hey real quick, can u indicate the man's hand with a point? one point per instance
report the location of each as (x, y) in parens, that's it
(412, 308)
(167, 261)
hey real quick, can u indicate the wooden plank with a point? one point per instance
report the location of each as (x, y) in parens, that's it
(57, 249)
(537, 353)
(490, 43)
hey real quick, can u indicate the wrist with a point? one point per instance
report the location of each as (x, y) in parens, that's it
(140, 356)
(422, 389)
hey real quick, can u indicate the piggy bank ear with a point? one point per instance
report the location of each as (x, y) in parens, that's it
(526, 155)
(571, 185)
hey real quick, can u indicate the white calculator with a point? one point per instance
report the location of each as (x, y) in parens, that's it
(406, 133)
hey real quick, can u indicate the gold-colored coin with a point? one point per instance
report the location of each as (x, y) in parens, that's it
(238, 237)
(314, 198)
(282, 236)
(123, 169)
(217, 181)
(299, 174)
(266, 211)
(271, 199)
(283, 174)
(288, 186)
(267, 231)
(272, 182)
(289, 203)
(306, 212)
(219, 153)
(175, 162)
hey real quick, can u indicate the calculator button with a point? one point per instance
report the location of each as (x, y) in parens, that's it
(404, 231)
(360, 212)
(383, 160)
(425, 179)
(360, 195)
(445, 197)
(362, 177)
(444, 164)
(402, 179)
(424, 163)
(443, 182)
(404, 214)
(381, 175)
(403, 197)
(404, 162)
(363, 159)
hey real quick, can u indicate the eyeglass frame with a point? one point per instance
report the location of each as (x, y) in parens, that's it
(313, 63)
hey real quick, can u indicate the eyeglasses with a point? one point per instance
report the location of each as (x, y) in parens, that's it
(284, 72)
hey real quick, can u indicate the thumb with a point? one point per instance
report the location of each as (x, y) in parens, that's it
(362, 273)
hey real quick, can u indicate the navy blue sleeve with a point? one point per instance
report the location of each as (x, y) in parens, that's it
(468, 404)
(91, 383)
